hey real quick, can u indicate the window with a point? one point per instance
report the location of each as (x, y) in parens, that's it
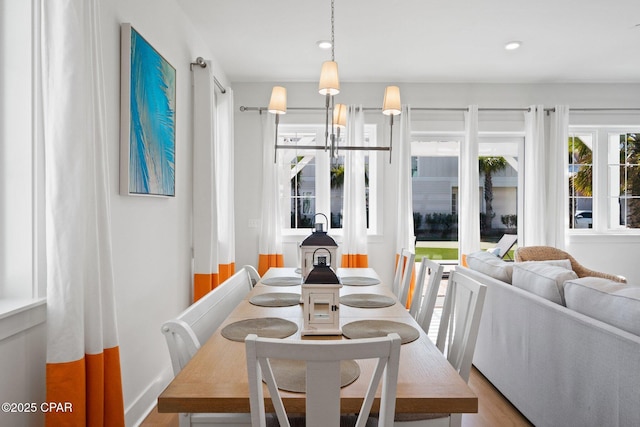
(22, 277)
(624, 180)
(604, 179)
(18, 200)
(316, 181)
(434, 184)
(580, 179)
(435, 187)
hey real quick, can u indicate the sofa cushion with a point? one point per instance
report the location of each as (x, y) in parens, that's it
(543, 279)
(611, 302)
(491, 265)
(564, 263)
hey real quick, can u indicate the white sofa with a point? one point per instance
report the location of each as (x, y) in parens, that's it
(557, 366)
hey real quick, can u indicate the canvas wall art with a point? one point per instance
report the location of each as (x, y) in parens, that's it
(148, 107)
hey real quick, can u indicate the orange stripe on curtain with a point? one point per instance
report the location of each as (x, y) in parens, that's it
(412, 283)
(92, 386)
(265, 261)
(205, 283)
(226, 270)
(355, 261)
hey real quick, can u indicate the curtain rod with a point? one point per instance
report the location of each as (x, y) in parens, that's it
(527, 109)
(200, 62)
(261, 109)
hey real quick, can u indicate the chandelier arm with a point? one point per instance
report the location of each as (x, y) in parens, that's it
(275, 149)
(390, 137)
(326, 121)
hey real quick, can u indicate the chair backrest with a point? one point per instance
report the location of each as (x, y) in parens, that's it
(424, 300)
(192, 327)
(254, 276)
(505, 244)
(460, 321)
(543, 253)
(323, 371)
(402, 277)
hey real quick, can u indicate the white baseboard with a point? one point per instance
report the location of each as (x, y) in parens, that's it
(137, 411)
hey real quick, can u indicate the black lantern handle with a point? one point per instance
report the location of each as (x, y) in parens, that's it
(318, 224)
(321, 249)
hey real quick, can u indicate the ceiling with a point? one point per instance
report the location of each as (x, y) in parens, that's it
(399, 41)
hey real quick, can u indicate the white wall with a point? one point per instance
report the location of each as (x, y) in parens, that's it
(605, 253)
(22, 377)
(151, 236)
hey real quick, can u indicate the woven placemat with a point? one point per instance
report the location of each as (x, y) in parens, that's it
(367, 300)
(282, 281)
(380, 328)
(359, 281)
(275, 299)
(268, 327)
(290, 375)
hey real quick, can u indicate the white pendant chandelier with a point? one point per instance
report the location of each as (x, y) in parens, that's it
(329, 86)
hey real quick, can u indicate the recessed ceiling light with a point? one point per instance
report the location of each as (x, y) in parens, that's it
(512, 45)
(324, 44)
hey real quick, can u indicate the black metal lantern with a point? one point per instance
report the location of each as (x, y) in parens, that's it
(318, 239)
(322, 271)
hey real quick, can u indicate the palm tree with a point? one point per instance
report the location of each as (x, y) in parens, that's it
(489, 166)
(337, 176)
(581, 154)
(631, 158)
(581, 180)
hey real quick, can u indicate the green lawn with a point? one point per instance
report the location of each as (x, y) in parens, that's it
(436, 253)
(444, 253)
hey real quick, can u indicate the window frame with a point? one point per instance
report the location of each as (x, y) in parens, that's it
(485, 137)
(601, 213)
(323, 185)
(22, 295)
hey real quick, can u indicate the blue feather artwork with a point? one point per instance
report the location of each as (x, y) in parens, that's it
(152, 125)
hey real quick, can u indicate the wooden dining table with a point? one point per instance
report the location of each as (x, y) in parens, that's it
(215, 379)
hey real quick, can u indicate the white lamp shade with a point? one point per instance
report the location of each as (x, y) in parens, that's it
(278, 102)
(329, 83)
(391, 104)
(340, 115)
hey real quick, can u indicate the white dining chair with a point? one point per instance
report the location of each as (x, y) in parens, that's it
(457, 336)
(402, 277)
(424, 300)
(185, 333)
(254, 276)
(323, 373)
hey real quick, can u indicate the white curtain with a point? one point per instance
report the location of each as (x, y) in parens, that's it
(270, 240)
(401, 161)
(535, 197)
(206, 255)
(226, 187)
(354, 221)
(557, 186)
(213, 185)
(83, 362)
(469, 193)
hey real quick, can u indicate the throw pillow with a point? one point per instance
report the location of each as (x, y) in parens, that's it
(611, 302)
(543, 279)
(494, 251)
(491, 265)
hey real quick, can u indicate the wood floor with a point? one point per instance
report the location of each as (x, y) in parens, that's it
(493, 409)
